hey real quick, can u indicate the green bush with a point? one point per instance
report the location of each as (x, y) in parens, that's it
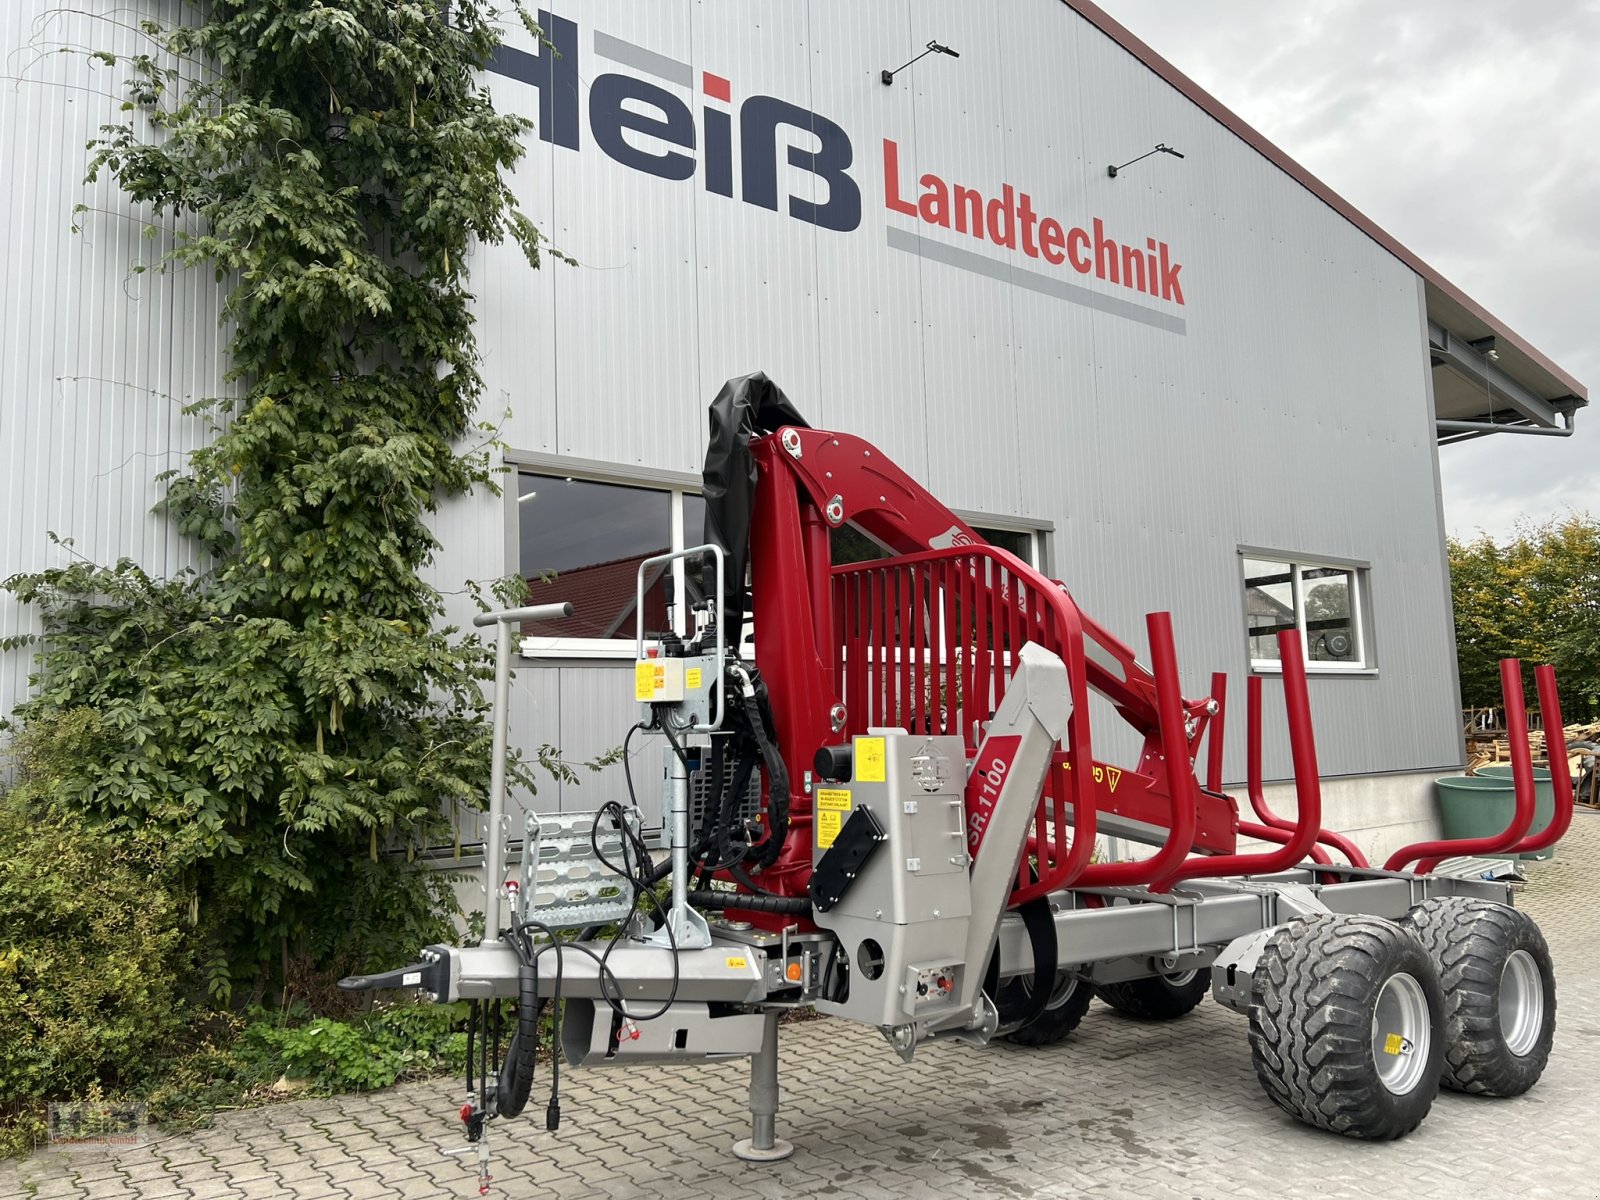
(93, 959)
(371, 1051)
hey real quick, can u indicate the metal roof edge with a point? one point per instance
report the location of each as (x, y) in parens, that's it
(1258, 141)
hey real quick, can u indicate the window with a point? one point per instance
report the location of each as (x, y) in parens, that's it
(851, 544)
(1023, 543)
(582, 541)
(1324, 601)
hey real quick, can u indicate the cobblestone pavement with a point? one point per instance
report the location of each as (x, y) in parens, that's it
(1165, 1112)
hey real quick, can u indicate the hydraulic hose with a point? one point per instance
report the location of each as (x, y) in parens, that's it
(516, 1072)
(771, 904)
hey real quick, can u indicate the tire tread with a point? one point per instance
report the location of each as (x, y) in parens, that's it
(1469, 940)
(1311, 1020)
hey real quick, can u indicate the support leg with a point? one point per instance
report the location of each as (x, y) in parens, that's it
(763, 1144)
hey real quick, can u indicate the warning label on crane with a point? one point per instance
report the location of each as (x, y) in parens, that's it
(833, 806)
(869, 760)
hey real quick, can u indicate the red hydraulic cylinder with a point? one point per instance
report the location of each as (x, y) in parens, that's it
(1219, 696)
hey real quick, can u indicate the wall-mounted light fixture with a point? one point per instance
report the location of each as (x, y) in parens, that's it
(1161, 148)
(1486, 347)
(933, 48)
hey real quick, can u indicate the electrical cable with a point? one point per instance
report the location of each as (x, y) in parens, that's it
(640, 884)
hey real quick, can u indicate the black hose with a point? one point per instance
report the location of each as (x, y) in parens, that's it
(764, 903)
(516, 1072)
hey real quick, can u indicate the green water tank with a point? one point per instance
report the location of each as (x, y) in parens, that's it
(1481, 805)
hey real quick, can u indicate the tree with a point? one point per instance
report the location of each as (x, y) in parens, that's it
(1537, 598)
(270, 721)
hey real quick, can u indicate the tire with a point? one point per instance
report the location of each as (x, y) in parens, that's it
(1499, 993)
(1346, 1025)
(1158, 998)
(1069, 1000)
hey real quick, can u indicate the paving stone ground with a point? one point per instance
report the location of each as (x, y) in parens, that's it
(1165, 1112)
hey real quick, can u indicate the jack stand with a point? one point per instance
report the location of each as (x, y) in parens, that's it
(684, 929)
(763, 1144)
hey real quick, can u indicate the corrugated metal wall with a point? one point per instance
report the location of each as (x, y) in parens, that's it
(96, 359)
(1285, 407)
(1291, 412)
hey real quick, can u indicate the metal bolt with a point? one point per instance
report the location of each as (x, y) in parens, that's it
(835, 510)
(838, 715)
(791, 442)
(1213, 708)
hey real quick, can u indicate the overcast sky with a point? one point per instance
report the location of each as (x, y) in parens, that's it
(1470, 130)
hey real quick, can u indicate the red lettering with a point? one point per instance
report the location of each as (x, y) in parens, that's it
(935, 202)
(1078, 251)
(1051, 239)
(891, 181)
(969, 211)
(1105, 253)
(1133, 265)
(1003, 214)
(1027, 217)
(1170, 287)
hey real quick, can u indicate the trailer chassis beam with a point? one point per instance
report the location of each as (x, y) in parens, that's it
(1115, 923)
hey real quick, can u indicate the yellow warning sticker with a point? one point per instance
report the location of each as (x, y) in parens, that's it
(1110, 776)
(869, 760)
(691, 677)
(1393, 1044)
(644, 680)
(833, 805)
(736, 962)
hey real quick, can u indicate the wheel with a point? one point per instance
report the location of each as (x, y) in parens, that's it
(1346, 1025)
(1069, 1000)
(1159, 998)
(1499, 993)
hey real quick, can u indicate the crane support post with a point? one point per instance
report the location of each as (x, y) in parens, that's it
(1003, 790)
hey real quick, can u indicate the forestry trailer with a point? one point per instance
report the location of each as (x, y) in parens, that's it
(889, 817)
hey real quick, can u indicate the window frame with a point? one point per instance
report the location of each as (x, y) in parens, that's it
(674, 484)
(1360, 575)
(677, 485)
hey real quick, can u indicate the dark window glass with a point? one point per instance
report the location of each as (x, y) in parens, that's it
(582, 542)
(1020, 544)
(1330, 632)
(852, 545)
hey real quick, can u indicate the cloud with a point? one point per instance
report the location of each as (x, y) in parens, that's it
(1466, 129)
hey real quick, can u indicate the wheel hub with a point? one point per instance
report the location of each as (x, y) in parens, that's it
(1521, 1003)
(1401, 1033)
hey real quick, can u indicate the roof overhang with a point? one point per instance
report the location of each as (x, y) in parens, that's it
(1486, 377)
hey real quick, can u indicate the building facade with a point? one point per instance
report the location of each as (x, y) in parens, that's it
(1202, 384)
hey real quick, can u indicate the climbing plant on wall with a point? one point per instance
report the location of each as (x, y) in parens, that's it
(274, 719)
